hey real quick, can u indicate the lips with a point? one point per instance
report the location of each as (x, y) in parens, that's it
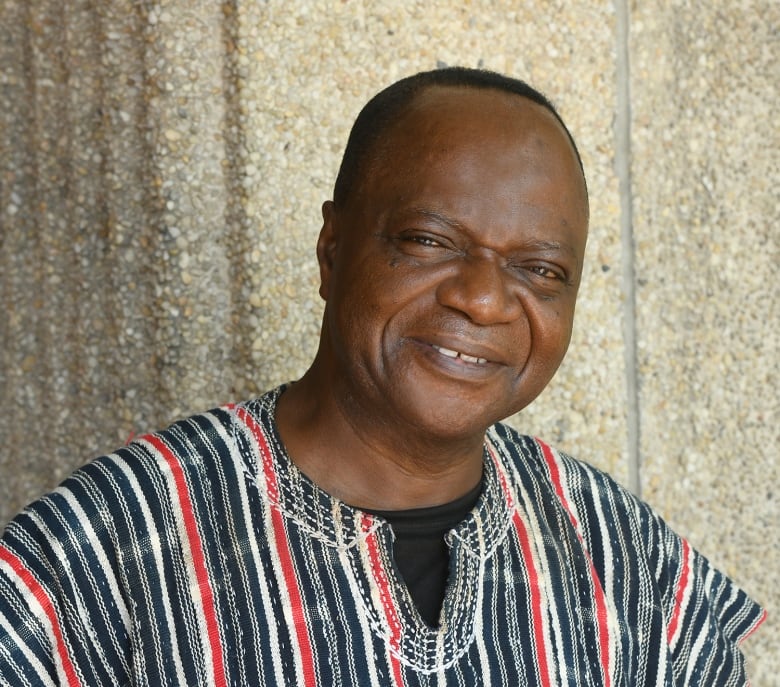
(449, 353)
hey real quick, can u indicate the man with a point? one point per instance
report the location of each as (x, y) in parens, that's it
(371, 524)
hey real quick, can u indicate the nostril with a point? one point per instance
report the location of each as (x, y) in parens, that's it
(480, 290)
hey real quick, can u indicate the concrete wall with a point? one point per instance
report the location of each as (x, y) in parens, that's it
(161, 171)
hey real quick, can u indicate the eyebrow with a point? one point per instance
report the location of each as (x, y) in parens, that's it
(443, 219)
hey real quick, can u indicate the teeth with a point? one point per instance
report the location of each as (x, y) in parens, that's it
(447, 352)
(455, 354)
(471, 358)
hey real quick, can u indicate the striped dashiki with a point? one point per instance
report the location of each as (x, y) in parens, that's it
(202, 556)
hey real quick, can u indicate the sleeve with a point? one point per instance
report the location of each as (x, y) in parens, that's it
(63, 620)
(28, 626)
(707, 616)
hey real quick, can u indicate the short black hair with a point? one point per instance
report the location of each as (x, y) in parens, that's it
(386, 107)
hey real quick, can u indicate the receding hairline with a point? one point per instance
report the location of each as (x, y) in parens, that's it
(415, 103)
(377, 119)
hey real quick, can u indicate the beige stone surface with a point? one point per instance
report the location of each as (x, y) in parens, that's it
(705, 181)
(162, 166)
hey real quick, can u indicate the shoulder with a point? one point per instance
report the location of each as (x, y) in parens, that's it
(583, 489)
(704, 610)
(116, 492)
(194, 465)
(597, 505)
(123, 529)
(139, 488)
(616, 529)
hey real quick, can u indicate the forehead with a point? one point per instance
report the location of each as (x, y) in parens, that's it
(446, 119)
(461, 112)
(495, 142)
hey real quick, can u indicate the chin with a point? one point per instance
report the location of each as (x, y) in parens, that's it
(453, 421)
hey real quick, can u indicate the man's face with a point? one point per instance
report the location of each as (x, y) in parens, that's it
(450, 275)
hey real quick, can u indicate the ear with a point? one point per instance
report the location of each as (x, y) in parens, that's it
(326, 247)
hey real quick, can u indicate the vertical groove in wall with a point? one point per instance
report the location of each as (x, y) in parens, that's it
(623, 169)
(237, 225)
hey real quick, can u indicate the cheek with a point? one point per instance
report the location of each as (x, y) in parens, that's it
(359, 319)
(551, 331)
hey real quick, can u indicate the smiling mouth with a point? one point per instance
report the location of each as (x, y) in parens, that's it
(448, 352)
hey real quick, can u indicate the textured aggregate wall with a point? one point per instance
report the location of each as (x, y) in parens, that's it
(161, 171)
(706, 174)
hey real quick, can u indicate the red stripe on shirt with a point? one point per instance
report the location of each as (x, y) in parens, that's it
(536, 598)
(555, 477)
(42, 597)
(598, 589)
(679, 595)
(533, 577)
(265, 453)
(198, 558)
(283, 549)
(755, 626)
(384, 594)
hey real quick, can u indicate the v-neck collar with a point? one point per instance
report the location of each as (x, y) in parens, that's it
(364, 543)
(338, 524)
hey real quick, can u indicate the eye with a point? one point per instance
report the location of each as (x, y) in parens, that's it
(541, 272)
(425, 247)
(423, 240)
(547, 272)
(417, 241)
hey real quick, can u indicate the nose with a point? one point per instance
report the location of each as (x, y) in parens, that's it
(482, 290)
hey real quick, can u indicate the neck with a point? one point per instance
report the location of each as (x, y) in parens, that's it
(369, 462)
